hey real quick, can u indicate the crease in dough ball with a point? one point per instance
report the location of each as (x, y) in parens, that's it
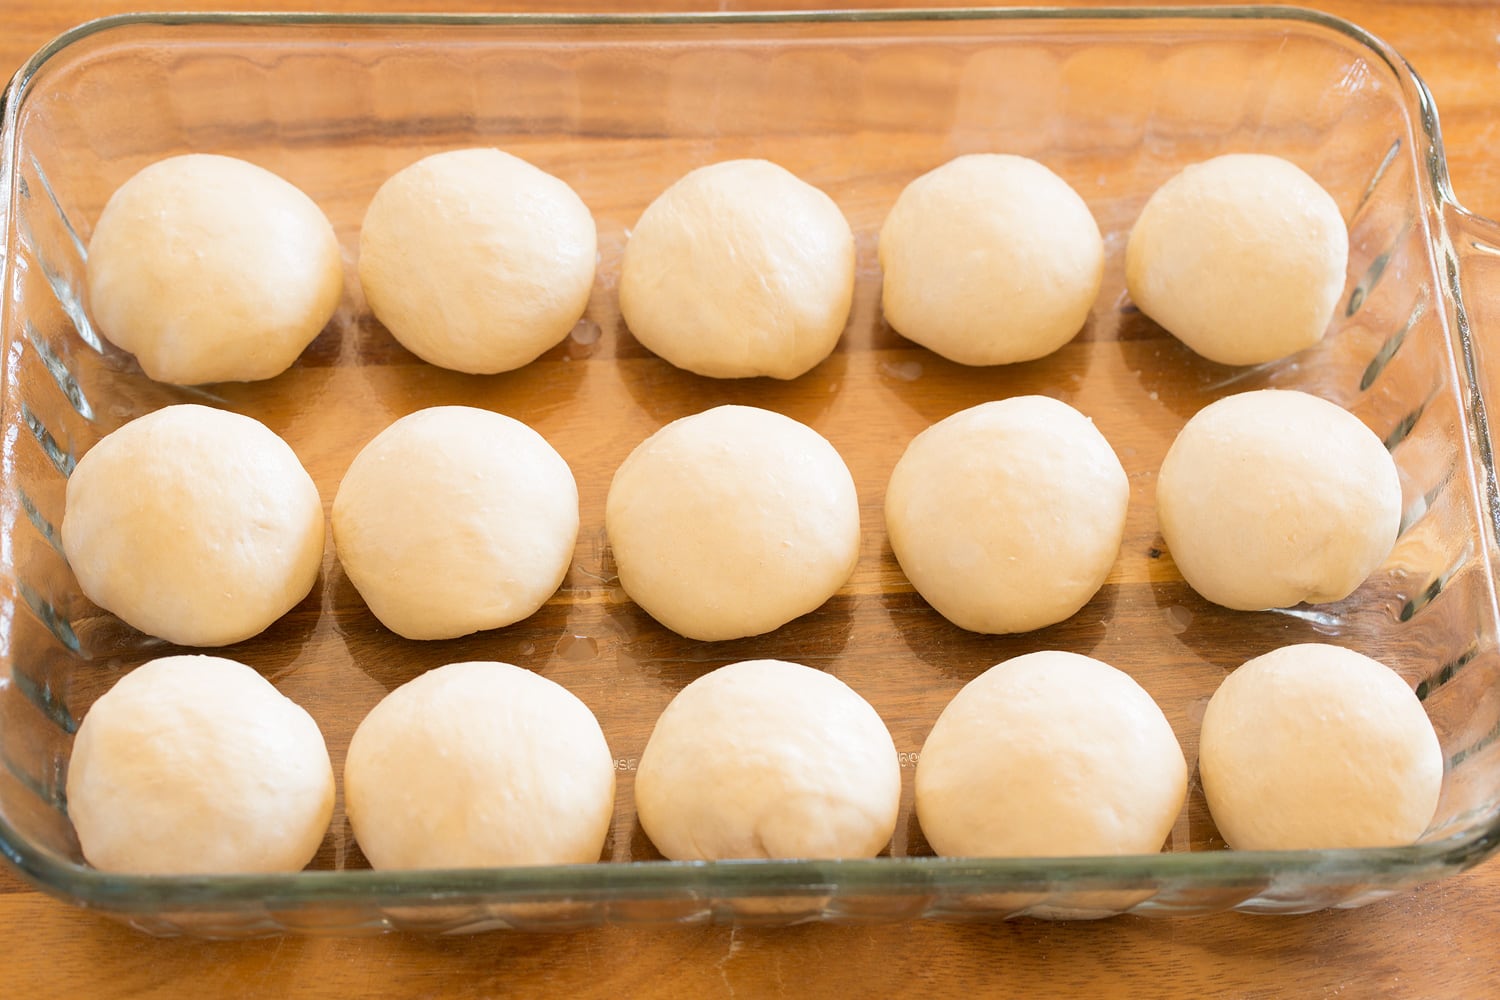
(768, 759)
(196, 765)
(1314, 746)
(732, 522)
(1270, 498)
(476, 765)
(739, 269)
(211, 269)
(194, 525)
(455, 519)
(1241, 257)
(477, 261)
(1050, 754)
(990, 259)
(1008, 516)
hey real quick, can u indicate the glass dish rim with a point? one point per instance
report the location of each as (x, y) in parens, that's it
(807, 878)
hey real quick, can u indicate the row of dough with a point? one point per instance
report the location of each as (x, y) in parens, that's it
(209, 268)
(1006, 517)
(196, 764)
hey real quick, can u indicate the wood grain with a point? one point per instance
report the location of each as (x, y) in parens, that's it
(1432, 943)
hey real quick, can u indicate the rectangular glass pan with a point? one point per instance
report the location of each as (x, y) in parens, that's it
(858, 104)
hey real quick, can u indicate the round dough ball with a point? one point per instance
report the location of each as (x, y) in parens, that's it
(455, 519)
(990, 259)
(739, 269)
(479, 765)
(1315, 746)
(196, 765)
(1008, 516)
(768, 759)
(211, 269)
(1051, 754)
(1241, 257)
(195, 525)
(1270, 498)
(476, 260)
(732, 522)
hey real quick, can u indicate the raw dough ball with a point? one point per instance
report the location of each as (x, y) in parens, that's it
(1315, 746)
(768, 759)
(193, 524)
(476, 260)
(990, 259)
(196, 765)
(1050, 754)
(739, 269)
(455, 519)
(211, 269)
(477, 765)
(1274, 497)
(1008, 516)
(1241, 257)
(732, 522)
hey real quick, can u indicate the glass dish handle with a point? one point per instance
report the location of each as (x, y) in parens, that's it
(1473, 281)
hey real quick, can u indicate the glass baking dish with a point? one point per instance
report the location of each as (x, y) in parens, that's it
(858, 103)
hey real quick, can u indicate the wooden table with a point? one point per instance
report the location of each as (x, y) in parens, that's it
(1435, 942)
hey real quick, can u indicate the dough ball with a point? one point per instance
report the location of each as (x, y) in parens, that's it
(1316, 746)
(211, 269)
(479, 765)
(1241, 257)
(476, 260)
(990, 259)
(1050, 754)
(739, 269)
(768, 759)
(195, 525)
(1008, 516)
(732, 522)
(455, 519)
(1274, 497)
(196, 765)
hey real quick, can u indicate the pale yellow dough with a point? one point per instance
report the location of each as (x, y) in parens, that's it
(732, 522)
(990, 259)
(768, 759)
(455, 519)
(196, 765)
(476, 260)
(212, 269)
(477, 765)
(1274, 497)
(1241, 257)
(195, 525)
(739, 269)
(1008, 516)
(1051, 754)
(1315, 746)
